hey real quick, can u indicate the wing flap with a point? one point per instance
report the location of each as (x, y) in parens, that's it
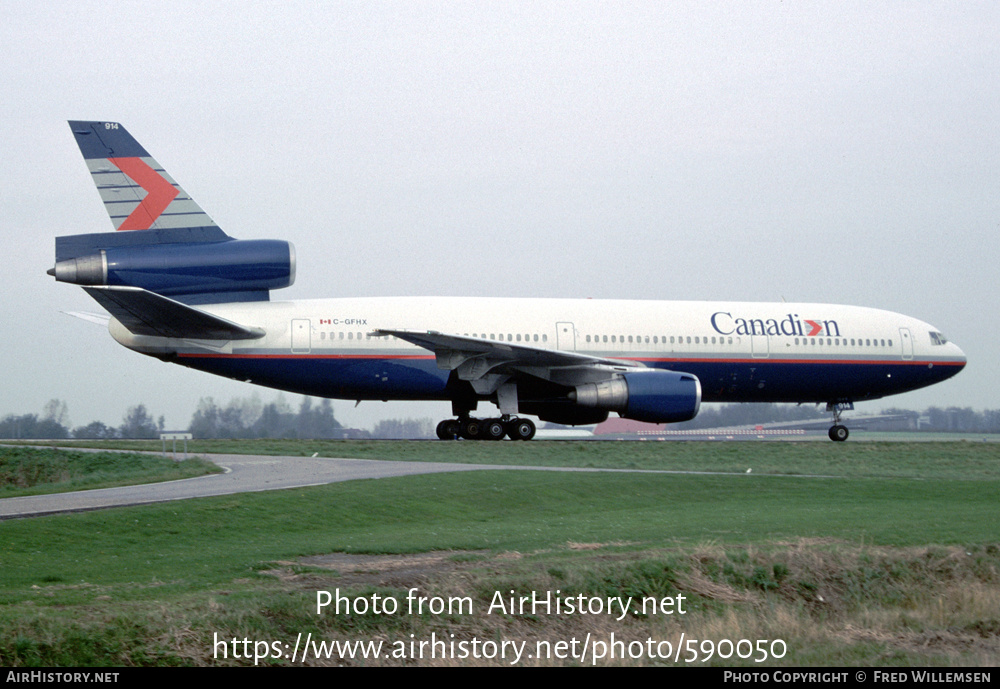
(147, 313)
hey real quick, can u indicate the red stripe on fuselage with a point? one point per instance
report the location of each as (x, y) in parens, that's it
(867, 362)
(197, 355)
(685, 360)
(159, 193)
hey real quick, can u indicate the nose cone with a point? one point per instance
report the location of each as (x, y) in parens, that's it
(960, 358)
(953, 361)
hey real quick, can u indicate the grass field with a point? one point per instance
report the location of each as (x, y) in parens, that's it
(891, 560)
(969, 459)
(33, 471)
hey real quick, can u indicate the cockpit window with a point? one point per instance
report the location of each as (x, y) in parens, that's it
(938, 339)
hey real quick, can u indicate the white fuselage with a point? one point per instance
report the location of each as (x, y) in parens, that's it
(741, 351)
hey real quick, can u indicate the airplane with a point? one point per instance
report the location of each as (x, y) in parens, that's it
(181, 290)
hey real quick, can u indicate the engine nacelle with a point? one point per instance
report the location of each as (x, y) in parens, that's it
(654, 396)
(245, 265)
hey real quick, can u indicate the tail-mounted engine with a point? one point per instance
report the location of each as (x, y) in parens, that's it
(234, 270)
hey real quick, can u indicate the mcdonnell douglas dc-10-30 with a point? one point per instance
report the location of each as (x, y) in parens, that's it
(179, 289)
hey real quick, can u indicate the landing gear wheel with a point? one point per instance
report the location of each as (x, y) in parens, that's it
(472, 429)
(520, 429)
(449, 429)
(839, 433)
(493, 429)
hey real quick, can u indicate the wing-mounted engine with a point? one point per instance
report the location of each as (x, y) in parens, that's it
(654, 396)
(534, 381)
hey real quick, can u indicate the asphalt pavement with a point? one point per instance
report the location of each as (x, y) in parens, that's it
(244, 474)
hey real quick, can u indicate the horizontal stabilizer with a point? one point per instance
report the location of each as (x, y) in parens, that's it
(95, 318)
(147, 313)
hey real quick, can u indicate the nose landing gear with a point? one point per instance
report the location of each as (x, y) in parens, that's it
(838, 432)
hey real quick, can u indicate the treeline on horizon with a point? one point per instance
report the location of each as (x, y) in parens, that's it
(314, 419)
(240, 419)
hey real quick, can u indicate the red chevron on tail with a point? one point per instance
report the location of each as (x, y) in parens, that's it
(159, 193)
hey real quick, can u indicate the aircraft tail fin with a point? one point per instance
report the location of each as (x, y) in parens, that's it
(163, 241)
(137, 192)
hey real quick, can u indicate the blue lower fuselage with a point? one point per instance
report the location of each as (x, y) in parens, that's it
(723, 380)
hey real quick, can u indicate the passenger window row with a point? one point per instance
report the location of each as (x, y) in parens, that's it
(647, 339)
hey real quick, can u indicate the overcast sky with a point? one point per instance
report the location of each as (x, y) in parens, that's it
(828, 152)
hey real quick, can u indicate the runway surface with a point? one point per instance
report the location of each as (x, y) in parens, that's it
(254, 473)
(244, 474)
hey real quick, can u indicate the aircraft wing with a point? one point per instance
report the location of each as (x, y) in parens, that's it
(146, 313)
(489, 363)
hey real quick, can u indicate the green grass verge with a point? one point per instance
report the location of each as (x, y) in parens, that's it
(910, 565)
(32, 471)
(207, 542)
(927, 460)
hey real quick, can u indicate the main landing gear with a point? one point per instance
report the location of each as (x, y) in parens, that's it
(486, 429)
(838, 432)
